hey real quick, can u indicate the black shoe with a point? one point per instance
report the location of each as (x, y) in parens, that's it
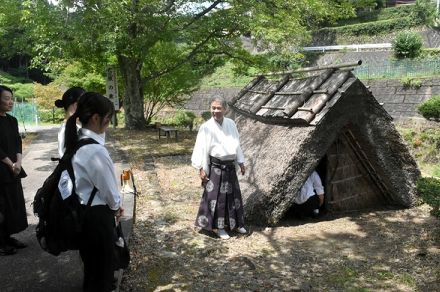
(7, 250)
(15, 243)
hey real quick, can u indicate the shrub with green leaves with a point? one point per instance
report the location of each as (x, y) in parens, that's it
(429, 189)
(184, 118)
(409, 82)
(181, 118)
(424, 12)
(206, 115)
(51, 116)
(430, 109)
(407, 45)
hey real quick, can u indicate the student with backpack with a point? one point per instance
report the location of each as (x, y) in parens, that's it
(93, 168)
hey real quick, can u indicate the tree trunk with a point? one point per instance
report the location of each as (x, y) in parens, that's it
(133, 97)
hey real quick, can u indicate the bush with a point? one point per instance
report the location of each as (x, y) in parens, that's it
(430, 109)
(371, 28)
(409, 82)
(54, 116)
(429, 189)
(407, 45)
(185, 119)
(181, 119)
(206, 115)
(424, 12)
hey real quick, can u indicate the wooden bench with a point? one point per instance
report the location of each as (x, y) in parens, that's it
(166, 131)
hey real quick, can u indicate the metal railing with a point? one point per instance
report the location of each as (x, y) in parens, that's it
(355, 47)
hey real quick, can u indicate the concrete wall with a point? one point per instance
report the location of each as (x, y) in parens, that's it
(402, 102)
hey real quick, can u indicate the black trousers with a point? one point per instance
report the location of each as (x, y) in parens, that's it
(306, 208)
(97, 249)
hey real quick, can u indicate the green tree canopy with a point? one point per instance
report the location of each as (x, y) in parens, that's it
(163, 48)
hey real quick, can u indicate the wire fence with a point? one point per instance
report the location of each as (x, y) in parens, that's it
(399, 69)
(26, 113)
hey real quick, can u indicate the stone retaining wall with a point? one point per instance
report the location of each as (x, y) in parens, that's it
(399, 102)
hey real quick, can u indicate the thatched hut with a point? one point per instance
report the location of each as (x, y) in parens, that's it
(327, 121)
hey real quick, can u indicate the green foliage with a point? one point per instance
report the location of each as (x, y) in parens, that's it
(78, 74)
(436, 171)
(363, 4)
(23, 88)
(206, 115)
(413, 83)
(225, 76)
(14, 33)
(185, 119)
(181, 118)
(371, 28)
(379, 15)
(424, 12)
(164, 50)
(407, 45)
(424, 144)
(51, 116)
(430, 53)
(430, 109)
(429, 189)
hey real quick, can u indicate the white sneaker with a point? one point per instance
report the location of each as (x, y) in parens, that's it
(223, 234)
(241, 230)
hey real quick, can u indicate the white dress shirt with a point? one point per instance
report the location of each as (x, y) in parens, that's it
(220, 141)
(93, 166)
(312, 184)
(61, 134)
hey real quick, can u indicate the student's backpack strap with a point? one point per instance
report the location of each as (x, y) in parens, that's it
(68, 158)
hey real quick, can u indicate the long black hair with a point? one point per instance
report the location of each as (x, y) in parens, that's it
(89, 103)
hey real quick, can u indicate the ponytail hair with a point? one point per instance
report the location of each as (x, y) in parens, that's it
(89, 103)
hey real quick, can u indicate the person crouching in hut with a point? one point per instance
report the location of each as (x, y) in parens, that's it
(216, 152)
(310, 198)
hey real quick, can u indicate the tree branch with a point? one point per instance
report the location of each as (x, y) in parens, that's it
(202, 13)
(190, 56)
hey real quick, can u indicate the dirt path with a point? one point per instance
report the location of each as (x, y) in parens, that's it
(392, 250)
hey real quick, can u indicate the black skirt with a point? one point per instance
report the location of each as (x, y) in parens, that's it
(13, 217)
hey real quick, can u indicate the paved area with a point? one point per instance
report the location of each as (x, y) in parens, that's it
(32, 269)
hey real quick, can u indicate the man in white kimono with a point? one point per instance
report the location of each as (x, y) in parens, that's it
(216, 153)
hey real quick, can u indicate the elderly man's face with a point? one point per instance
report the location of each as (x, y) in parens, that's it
(217, 111)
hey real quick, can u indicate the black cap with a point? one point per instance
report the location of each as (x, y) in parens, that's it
(69, 97)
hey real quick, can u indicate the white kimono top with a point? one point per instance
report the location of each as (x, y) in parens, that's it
(220, 141)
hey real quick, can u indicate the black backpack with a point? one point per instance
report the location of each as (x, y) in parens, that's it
(60, 220)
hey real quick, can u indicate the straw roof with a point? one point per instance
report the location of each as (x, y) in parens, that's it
(286, 126)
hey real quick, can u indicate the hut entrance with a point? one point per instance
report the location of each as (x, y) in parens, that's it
(351, 183)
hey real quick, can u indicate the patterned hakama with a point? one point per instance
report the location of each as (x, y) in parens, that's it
(221, 203)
